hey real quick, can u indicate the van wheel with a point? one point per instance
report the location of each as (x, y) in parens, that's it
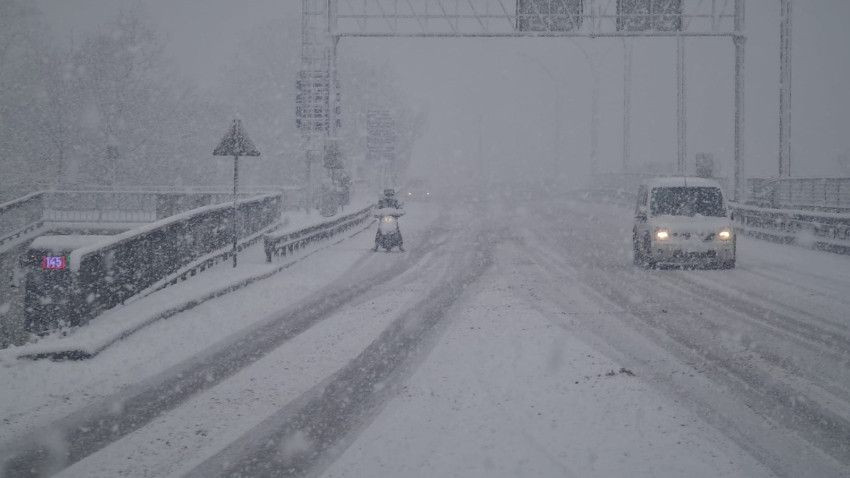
(645, 251)
(637, 255)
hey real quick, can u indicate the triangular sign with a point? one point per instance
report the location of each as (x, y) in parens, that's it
(236, 142)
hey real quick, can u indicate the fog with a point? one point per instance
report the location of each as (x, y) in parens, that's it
(472, 273)
(502, 87)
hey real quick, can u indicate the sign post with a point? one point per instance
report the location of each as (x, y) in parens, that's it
(235, 143)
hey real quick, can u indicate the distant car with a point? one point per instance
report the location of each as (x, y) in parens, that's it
(416, 190)
(683, 221)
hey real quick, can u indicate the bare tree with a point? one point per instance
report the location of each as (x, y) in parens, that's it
(259, 83)
(22, 71)
(126, 99)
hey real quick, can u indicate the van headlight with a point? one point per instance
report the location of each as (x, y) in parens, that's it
(388, 219)
(662, 234)
(724, 235)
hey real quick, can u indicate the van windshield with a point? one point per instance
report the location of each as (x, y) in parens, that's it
(687, 201)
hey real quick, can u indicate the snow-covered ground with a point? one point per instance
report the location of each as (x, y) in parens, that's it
(512, 339)
(35, 392)
(509, 391)
(142, 309)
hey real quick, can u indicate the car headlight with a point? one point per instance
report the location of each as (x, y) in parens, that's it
(662, 234)
(724, 235)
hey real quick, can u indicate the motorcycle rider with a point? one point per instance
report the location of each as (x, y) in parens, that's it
(389, 201)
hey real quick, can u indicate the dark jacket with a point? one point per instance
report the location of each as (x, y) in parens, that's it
(388, 202)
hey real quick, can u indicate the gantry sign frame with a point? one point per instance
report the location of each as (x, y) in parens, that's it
(325, 22)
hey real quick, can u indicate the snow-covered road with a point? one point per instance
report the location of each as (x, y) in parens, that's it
(510, 340)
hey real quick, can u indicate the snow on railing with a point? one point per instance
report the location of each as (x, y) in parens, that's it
(105, 274)
(132, 204)
(825, 194)
(818, 230)
(278, 244)
(20, 216)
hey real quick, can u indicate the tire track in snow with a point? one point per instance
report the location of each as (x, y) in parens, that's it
(90, 429)
(779, 322)
(311, 431)
(682, 370)
(787, 405)
(827, 287)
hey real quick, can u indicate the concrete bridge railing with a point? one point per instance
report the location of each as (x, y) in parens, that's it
(20, 217)
(101, 276)
(130, 206)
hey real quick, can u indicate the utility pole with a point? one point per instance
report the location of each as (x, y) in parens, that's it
(785, 89)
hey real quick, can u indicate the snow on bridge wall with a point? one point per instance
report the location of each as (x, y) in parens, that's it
(105, 274)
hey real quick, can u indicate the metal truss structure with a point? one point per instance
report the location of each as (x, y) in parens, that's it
(512, 18)
(325, 22)
(317, 109)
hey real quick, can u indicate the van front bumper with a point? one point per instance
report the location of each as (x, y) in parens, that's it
(693, 252)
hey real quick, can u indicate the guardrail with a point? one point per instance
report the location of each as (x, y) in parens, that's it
(106, 274)
(207, 262)
(142, 204)
(126, 206)
(253, 190)
(818, 230)
(279, 244)
(826, 231)
(825, 194)
(19, 216)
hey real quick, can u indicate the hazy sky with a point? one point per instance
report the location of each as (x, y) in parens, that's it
(501, 84)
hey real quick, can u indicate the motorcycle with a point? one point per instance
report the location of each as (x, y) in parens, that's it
(389, 234)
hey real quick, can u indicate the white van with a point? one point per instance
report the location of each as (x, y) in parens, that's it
(683, 221)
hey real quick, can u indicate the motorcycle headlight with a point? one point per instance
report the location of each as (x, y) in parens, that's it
(662, 234)
(724, 235)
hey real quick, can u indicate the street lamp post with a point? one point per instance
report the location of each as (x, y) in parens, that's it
(594, 101)
(739, 40)
(594, 107)
(785, 89)
(627, 103)
(558, 104)
(681, 107)
(594, 113)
